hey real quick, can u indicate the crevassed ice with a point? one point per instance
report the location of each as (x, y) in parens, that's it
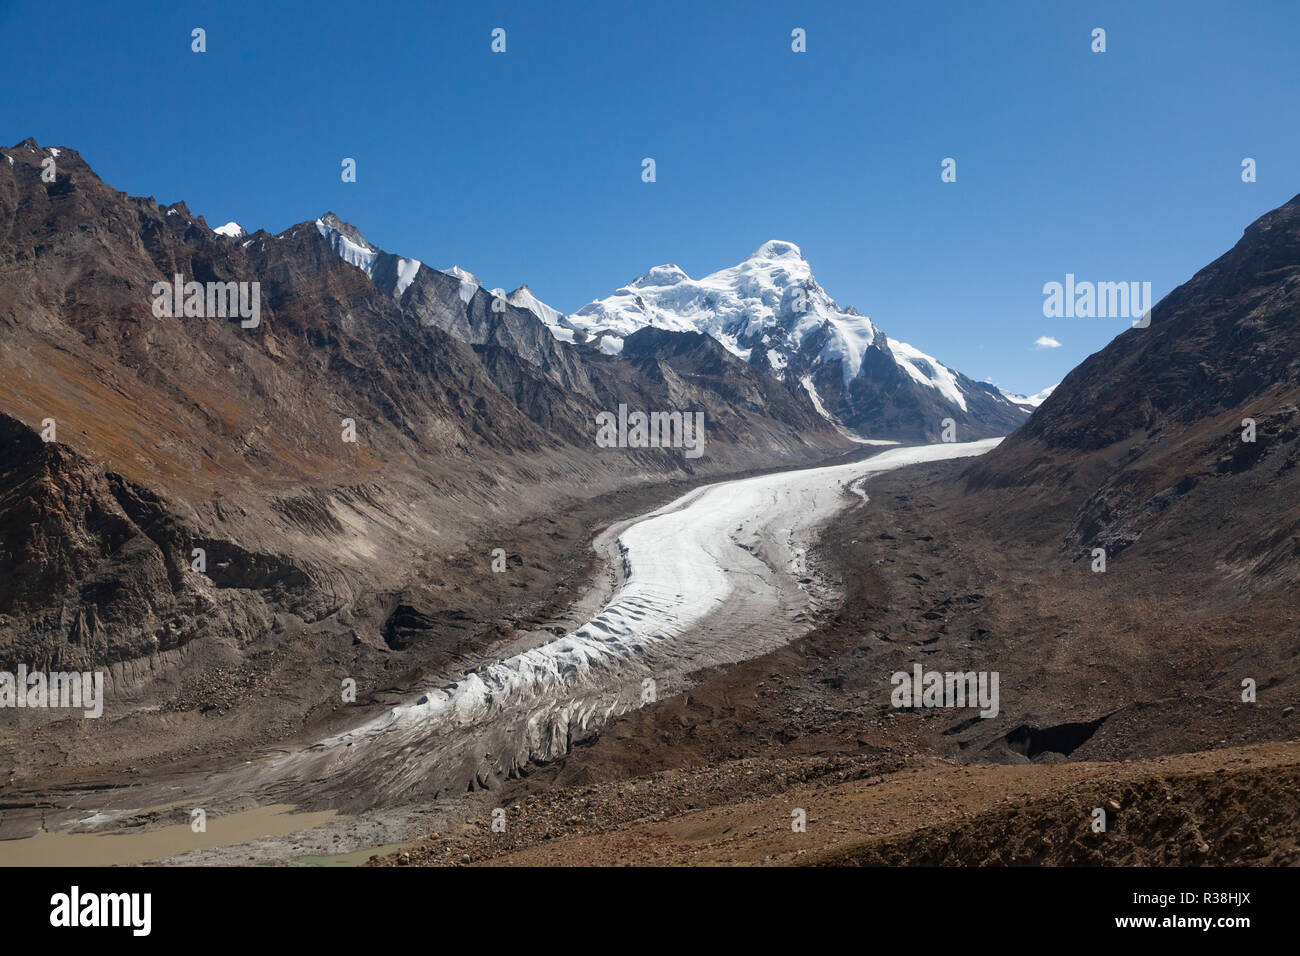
(677, 572)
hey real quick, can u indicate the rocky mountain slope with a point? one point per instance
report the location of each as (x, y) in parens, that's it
(176, 433)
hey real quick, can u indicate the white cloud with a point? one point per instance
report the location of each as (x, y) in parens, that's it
(1047, 342)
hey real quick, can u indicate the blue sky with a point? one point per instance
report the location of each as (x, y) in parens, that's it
(526, 167)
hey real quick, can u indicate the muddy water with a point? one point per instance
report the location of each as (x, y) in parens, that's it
(140, 846)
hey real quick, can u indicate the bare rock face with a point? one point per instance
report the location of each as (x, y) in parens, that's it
(178, 434)
(99, 569)
(1146, 445)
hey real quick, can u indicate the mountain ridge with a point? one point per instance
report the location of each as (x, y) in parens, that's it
(770, 312)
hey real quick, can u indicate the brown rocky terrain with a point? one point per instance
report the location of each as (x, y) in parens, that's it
(1097, 705)
(1127, 690)
(325, 558)
(1120, 690)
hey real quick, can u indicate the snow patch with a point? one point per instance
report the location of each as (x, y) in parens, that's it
(816, 399)
(469, 283)
(406, 270)
(1031, 401)
(362, 255)
(927, 371)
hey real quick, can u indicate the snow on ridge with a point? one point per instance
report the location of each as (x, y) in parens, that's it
(1031, 401)
(232, 229)
(362, 255)
(771, 299)
(928, 371)
(469, 283)
(524, 298)
(353, 248)
(406, 270)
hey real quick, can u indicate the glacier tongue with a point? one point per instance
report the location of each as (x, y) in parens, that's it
(711, 578)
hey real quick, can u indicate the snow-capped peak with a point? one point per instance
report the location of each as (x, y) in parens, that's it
(661, 275)
(463, 275)
(770, 301)
(553, 319)
(469, 283)
(771, 311)
(1032, 401)
(232, 229)
(777, 249)
(348, 243)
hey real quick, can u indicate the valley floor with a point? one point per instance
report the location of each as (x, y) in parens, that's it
(1119, 692)
(1239, 805)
